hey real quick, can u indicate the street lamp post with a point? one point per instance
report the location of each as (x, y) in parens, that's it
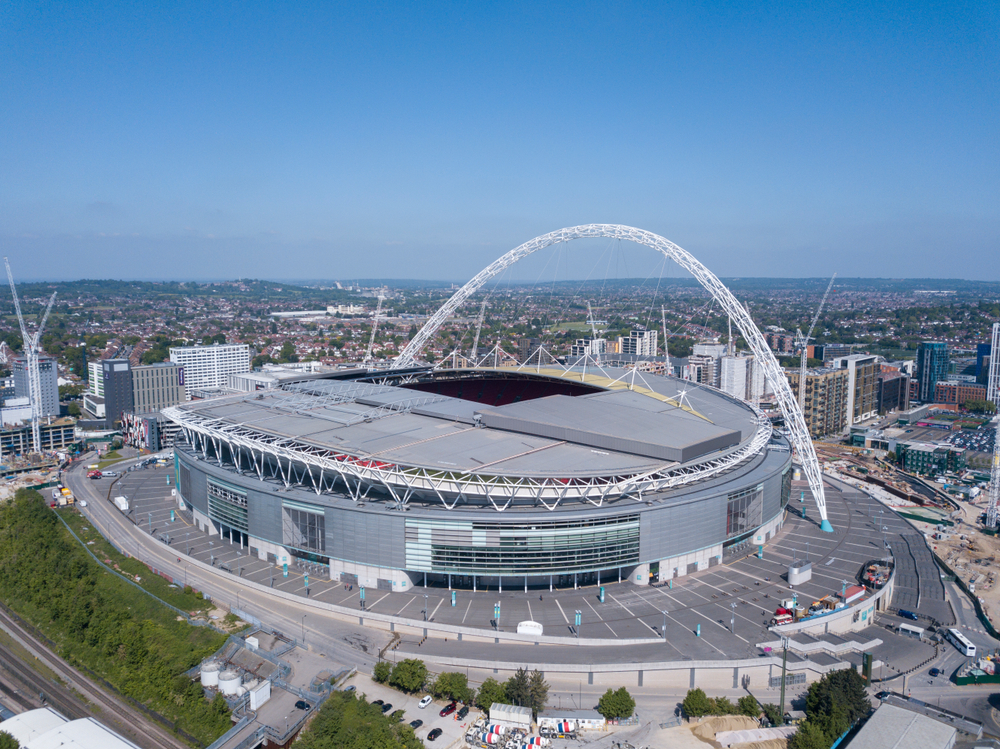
(425, 607)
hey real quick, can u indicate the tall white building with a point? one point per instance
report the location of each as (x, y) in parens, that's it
(993, 377)
(96, 378)
(639, 343)
(48, 402)
(209, 367)
(589, 347)
(734, 376)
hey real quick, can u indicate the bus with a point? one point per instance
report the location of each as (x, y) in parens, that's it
(961, 642)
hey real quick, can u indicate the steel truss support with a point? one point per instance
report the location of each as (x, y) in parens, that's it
(794, 421)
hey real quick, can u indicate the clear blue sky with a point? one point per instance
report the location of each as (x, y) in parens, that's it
(422, 140)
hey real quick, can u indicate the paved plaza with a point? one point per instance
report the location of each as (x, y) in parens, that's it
(718, 613)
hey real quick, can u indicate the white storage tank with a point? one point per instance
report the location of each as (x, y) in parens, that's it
(799, 572)
(229, 682)
(210, 675)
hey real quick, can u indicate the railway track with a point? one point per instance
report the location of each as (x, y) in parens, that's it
(78, 696)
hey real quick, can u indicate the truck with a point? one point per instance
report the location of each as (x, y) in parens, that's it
(121, 503)
(782, 616)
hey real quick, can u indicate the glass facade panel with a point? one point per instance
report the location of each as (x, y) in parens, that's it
(744, 511)
(304, 529)
(786, 486)
(541, 548)
(227, 505)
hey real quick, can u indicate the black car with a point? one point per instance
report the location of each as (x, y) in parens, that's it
(882, 695)
(434, 734)
(414, 724)
(386, 707)
(302, 705)
(377, 702)
(935, 672)
(463, 712)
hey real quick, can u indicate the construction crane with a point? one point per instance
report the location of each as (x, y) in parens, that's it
(594, 348)
(804, 343)
(479, 328)
(993, 394)
(666, 349)
(31, 349)
(371, 340)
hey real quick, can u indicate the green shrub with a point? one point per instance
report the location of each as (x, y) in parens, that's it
(382, 671)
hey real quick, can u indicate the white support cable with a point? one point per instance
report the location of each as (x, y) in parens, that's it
(804, 342)
(794, 419)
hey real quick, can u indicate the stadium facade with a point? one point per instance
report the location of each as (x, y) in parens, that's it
(514, 477)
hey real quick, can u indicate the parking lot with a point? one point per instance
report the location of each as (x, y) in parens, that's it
(453, 730)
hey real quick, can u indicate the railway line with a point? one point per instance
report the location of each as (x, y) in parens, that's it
(78, 696)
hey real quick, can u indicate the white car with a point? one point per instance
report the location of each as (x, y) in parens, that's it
(425, 702)
(83, 503)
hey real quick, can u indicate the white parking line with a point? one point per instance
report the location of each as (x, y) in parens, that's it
(430, 617)
(564, 613)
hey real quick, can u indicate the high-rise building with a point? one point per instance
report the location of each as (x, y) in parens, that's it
(96, 384)
(117, 376)
(826, 399)
(209, 367)
(526, 347)
(639, 343)
(735, 371)
(932, 366)
(592, 347)
(702, 369)
(862, 386)
(157, 386)
(892, 392)
(48, 402)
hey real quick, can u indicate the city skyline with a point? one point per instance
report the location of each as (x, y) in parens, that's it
(193, 143)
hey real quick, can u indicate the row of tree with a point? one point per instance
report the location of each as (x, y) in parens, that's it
(697, 704)
(834, 704)
(524, 688)
(101, 622)
(348, 721)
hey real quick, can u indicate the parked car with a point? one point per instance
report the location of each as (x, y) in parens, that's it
(349, 688)
(448, 709)
(378, 702)
(434, 734)
(425, 702)
(386, 707)
(463, 712)
(415, 724)
(302, 705)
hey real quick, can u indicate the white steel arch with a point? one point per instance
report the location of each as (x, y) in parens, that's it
(794, 420)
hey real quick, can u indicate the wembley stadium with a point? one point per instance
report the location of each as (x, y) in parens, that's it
(508, 477)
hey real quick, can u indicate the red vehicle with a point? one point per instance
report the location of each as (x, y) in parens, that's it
(448, 709)
(94, 475)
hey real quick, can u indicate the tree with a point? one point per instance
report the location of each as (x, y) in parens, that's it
(616, 703)
(491, 691)
(7, 741)
(382, 671)
(409, 675)
(287, 353)
(773, 714)
(518, 688)
(538, 691)
(837, 701)
(809, 736)
(724, 707)
(451, 685)
(696, 704)
(747, 705)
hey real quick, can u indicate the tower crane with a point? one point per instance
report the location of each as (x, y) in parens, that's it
(804, 343)
(666, 349)
(378, 311)
(993, 393)
(479, 328)
(31, 349)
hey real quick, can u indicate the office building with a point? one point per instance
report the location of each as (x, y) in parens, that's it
(526, 347)
(592, 347)
(48, 402)
(735, 371)
(862, 386)
(639, 343)
(96, 378)
(157, 386)
(701, 369)
(892, 392)
(958, 392)
(117, 376)
(932, 367)
(930, 458)
(209, 367)
(826, 399)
